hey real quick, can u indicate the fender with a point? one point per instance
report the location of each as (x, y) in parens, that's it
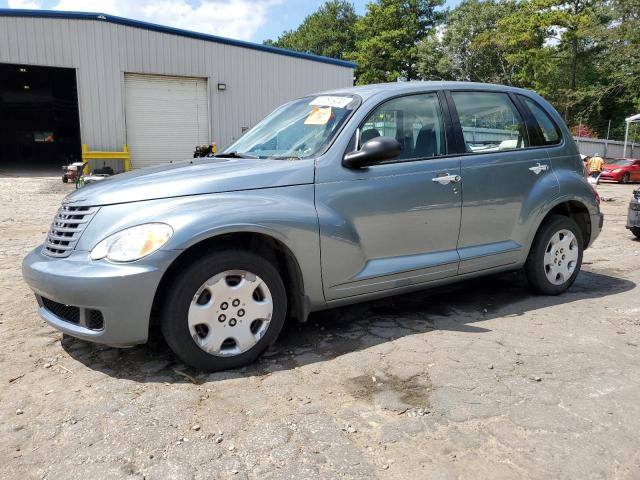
(575, 189)
(286, 214)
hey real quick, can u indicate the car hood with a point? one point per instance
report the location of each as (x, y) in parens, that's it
(195, 177)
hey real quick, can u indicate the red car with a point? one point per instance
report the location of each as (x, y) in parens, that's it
(622, 170)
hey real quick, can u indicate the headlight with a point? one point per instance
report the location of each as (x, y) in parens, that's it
(617, 170)
(132, 243)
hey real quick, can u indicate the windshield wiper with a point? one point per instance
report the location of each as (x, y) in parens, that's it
(235, 155)
(283, 157)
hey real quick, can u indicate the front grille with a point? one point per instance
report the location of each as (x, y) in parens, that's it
(85, 317)
(68, 313)
(66, 229)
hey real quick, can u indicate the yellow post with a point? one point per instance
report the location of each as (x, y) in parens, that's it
(127, 165)
(85, 157)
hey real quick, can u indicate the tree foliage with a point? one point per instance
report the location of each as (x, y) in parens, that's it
(387, 37)
(582, 55)
(329, 31)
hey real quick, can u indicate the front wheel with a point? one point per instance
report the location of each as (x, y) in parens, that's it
(224, 310)
(636, 232)
(625, 178)
(556, 256)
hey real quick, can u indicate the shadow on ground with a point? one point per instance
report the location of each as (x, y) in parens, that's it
(461, 307)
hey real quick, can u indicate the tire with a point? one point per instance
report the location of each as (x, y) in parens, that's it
(65, 179)
(636, 232)
(204, 292)
(625, 178)
(539, 269)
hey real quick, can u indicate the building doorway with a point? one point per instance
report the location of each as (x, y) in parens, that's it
(39, 121)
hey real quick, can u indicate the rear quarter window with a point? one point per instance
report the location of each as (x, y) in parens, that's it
(549, 133)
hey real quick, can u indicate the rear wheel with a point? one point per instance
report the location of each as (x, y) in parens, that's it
(556, 256)
(224, 310)
(625, 178)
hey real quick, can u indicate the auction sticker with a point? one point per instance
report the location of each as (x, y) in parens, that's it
(331, 101)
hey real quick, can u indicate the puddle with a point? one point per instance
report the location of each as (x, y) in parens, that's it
(390, 392)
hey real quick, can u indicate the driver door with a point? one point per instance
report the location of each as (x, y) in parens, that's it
(394, 224)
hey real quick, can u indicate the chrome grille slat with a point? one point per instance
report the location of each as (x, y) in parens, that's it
(63, 238)
(66, 229)
(58, 246)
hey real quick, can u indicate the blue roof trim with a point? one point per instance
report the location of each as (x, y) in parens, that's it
(16, 12)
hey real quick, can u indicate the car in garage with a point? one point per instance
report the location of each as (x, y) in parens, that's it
(622, 170)
(335, 198)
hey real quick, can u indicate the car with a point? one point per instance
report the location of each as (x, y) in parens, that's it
(633, 214)
(335, 198)
(621, 170)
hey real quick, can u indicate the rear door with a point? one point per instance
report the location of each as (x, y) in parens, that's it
(504, 176)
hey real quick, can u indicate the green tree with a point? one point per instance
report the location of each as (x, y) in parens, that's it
(465, 48)
(329, 31)
(387, 37)
(556, 48)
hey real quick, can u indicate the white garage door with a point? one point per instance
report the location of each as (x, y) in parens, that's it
(166, 117)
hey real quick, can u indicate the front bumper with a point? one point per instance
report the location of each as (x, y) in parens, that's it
(613, 177)
(122, 293)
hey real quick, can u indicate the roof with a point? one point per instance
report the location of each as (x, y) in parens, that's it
(14, 12)
(367, 91)
(633, 118)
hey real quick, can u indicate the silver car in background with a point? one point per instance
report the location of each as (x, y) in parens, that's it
(333, 199)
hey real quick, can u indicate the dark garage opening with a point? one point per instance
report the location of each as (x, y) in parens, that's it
(39, 122)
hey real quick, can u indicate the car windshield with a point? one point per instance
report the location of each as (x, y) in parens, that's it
(298, 129)
(621, 162)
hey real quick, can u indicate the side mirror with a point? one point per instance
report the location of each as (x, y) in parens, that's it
(374, 151)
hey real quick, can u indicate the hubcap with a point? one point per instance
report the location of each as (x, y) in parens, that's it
(230, 313)
(561, 257)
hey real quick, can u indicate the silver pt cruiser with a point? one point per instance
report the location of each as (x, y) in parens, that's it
(332, 199)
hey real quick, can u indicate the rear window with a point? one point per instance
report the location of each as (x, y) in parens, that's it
(547, 128)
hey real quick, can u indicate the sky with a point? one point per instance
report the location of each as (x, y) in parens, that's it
(251, 20)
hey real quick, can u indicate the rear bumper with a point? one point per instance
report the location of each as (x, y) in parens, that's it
(122, 293)
(597, 221)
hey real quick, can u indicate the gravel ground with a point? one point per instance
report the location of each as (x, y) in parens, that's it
(478, 380)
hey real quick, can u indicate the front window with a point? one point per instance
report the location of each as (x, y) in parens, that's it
(415, 121)
(300, 129)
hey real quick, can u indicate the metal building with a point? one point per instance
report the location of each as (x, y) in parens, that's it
(68, 79)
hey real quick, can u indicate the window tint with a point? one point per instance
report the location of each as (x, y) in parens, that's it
(415, 121)
(548, 129)
(490, 122)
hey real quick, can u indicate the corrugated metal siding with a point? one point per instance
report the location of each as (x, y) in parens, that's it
(257, 82)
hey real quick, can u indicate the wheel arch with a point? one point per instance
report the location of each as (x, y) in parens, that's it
(268, 246)
(577, 211)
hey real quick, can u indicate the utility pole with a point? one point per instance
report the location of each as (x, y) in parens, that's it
(606, 142)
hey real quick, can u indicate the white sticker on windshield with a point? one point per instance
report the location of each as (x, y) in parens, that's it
(330, 101)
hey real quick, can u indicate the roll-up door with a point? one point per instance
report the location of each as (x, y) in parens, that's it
(166, 117)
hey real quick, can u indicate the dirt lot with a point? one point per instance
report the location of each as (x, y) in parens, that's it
(481, 380)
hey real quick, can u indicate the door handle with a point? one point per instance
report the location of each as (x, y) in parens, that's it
(537, 169)
(446, 179)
